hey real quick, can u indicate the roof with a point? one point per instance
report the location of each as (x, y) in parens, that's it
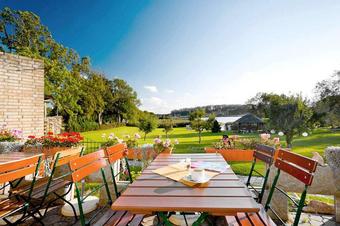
(249, 118)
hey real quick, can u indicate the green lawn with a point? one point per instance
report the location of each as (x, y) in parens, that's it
(188, 141)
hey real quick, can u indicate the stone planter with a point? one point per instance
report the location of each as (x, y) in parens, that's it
(6, 147)
(233, 155)
(333, 160)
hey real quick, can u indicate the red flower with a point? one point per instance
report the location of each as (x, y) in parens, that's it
(31, 137)
(50, 133)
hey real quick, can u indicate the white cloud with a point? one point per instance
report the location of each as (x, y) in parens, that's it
(169, 91)
(152, 89)
(156, 104)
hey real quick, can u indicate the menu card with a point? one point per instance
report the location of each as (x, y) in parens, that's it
(211, 166)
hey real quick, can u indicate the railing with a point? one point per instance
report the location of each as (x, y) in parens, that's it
(91, 146)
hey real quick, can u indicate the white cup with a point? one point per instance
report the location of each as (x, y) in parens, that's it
(198, 174)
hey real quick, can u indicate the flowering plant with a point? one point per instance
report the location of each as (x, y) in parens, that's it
(132, 142)
(67, 139)
(9, 135)
(110, 140)
(160, 145)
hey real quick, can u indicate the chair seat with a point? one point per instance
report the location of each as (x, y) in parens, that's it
(40, 187)
(257, 219)
(8, 206)
(118, 218)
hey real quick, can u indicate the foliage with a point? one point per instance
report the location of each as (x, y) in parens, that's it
(70, 139)
(147, 123)
(327, 106)
(110, 140)
(197, 122)
(210, 122)
(161, 145)
(289, 114)
(86, 99)
(168, 126)
(9, 135)
(216, 128)
(132, 142)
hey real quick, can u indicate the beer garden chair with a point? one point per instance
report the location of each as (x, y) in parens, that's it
(113, 154)
(52, 184)
(14, 172)
(265, 154)
(85, 166)
(298, 166)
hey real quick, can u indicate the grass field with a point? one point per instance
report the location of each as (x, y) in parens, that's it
(188, 141)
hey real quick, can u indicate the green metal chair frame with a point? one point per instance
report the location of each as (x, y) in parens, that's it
(83, 167)
(61, 158)
(14, 172)
(300, 167)
(113, 154)
(265, 154)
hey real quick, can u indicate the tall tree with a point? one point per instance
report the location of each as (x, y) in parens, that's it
(168, 125)
(197, 122)
(289, 114)
(147, 122)
(327, 106)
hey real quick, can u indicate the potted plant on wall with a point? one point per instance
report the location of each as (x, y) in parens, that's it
(52, 143)
(164, 146)
(240, 149)
(10, 139)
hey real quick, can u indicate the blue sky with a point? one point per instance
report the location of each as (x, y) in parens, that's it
(179, 53)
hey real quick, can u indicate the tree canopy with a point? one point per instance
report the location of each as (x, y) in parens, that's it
(84, 97)
(289, 114)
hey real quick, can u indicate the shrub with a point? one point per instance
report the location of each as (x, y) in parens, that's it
(216, 128)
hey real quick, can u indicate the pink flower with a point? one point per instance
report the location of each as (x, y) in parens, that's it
(276, 140)
(265, 136)
(137, 136)
(176, 141)
(157, 141)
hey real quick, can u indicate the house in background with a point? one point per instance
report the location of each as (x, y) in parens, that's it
(248, 123)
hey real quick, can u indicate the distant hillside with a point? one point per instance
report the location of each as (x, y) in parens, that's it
(219, 110)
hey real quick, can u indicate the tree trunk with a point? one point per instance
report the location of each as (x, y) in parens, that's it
(289, 139)
(144, 136)
(166, 134)
(100, 119)
(199, 137)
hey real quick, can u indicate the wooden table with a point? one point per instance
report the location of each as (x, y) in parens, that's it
(13, 156)
(151, 193)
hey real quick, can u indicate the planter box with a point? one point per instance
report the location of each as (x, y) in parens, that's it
(233, 155)
(6, 146)
(140, 154)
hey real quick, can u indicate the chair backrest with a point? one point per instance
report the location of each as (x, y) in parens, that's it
(298, 166)
(265, 154)
(87, 164)
(64, 157)
(114, 153)
(18, 169)
(82, 167)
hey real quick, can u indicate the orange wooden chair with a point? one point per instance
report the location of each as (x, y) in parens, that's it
(113, 154)
(298, 166)
(83, 167)
(13, 173)
(51, 185)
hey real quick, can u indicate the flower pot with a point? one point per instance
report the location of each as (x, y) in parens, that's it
(333, 160)
(140, 154)
(6, 146)
(167, 151)
(233, 155)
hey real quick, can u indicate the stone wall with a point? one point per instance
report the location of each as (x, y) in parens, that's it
(22, 93)
(53, 124)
